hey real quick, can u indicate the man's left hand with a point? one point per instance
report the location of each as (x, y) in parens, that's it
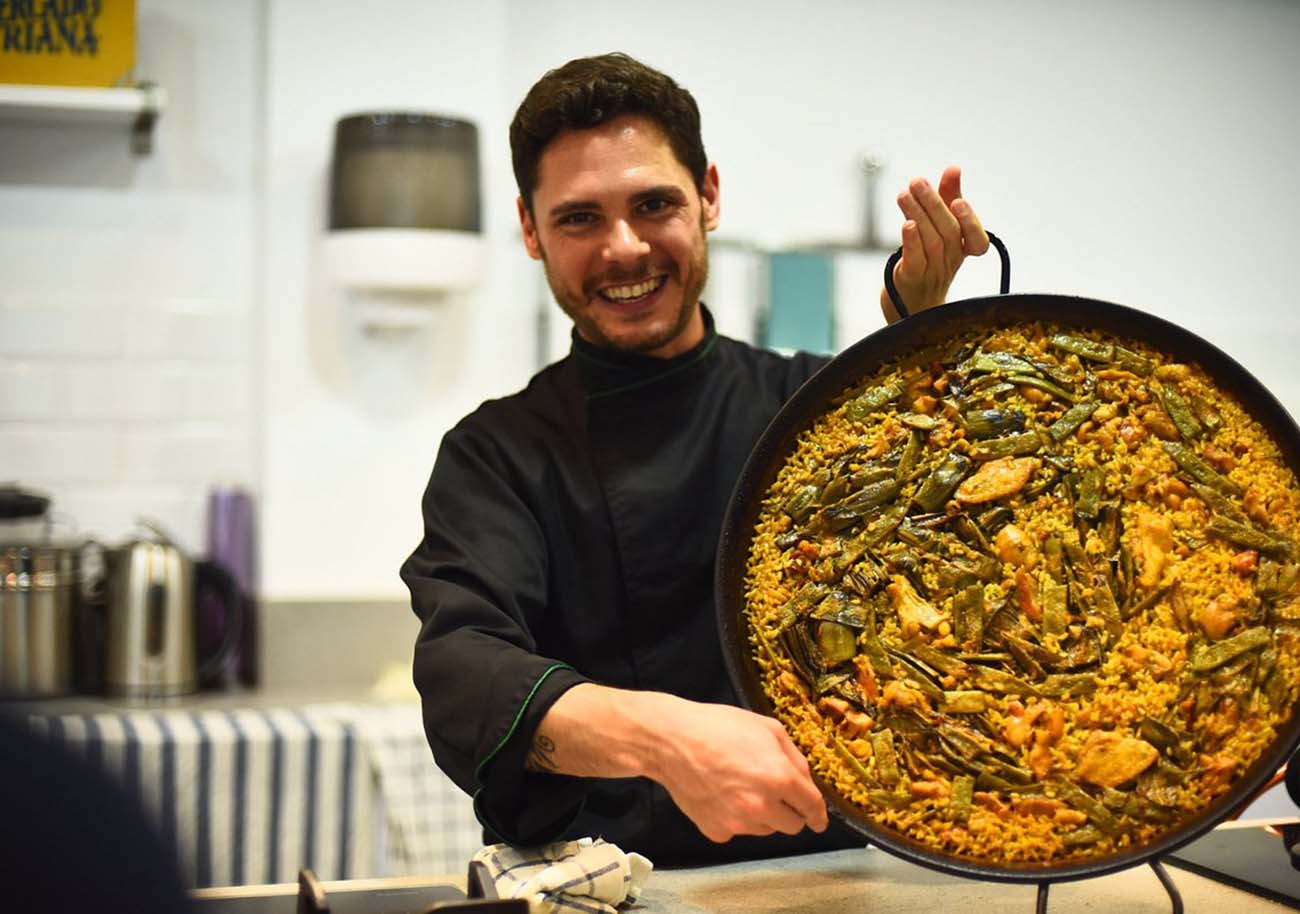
(940, 232)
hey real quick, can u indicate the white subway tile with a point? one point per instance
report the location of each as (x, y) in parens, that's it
(110, 513)
(201, 453)
(57, 328)
(92, 389)
(28, 390)
(42, 453)
(182, 328)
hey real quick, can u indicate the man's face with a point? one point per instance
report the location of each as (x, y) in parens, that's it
(619, 225)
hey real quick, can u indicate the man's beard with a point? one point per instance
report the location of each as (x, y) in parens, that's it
(589, 328)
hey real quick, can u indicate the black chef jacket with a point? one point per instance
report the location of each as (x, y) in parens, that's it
(569, 536)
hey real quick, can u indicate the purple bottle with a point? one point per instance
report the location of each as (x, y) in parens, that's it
(232, 544)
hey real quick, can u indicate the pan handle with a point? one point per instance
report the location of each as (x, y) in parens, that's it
(903, 312)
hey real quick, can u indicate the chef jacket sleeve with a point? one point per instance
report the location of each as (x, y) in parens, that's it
(478, 584)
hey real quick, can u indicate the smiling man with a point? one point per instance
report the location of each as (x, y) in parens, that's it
(568, 661)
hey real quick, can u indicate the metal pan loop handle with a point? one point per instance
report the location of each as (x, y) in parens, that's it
(903, 312)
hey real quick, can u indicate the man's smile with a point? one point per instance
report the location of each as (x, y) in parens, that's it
(631, 292)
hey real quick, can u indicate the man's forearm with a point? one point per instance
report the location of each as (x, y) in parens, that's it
(732, 772)
(596, 731)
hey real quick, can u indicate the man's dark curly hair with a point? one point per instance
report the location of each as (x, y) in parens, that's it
(589, 91)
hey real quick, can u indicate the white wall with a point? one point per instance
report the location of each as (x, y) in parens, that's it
(353, 419)
(127, 313)
(1140, 153)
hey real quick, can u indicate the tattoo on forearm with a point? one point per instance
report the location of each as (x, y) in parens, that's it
(541, 757)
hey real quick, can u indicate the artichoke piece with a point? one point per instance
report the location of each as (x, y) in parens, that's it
(1206, 657)
(871, 401)
(1198, 469)
(839, 607)
(836, 643)
(1276, 579)
(963, 788)
(1018, 445)
(801, 503)
(856, 506)
(1181, 414)
(882, 747)
(802, 652)
(940, 484)
(971, 533)
(1069, 423)
(990, 423)
(1084, 348)
(994, 519)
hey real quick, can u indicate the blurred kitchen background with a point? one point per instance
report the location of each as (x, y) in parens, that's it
(167, 327)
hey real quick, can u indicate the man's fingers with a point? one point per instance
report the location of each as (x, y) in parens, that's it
(786, 819)
(950, 184)
(946, 227)
(931, 240)
(975, 240)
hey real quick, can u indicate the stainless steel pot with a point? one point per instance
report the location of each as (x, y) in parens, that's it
(38, 586)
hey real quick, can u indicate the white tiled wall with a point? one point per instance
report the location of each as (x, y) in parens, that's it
(127, 329)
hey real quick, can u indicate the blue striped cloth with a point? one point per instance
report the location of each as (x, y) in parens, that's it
(251, 796)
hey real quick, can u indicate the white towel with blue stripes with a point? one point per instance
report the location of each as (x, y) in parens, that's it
(587, 876)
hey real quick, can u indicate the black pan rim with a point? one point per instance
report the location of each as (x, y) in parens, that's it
(891, 342)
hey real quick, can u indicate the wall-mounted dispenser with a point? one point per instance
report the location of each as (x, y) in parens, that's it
(405, 224)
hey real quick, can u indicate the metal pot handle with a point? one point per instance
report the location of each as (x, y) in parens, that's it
(903, 312)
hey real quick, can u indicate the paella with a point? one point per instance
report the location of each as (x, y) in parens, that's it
(1031, 595)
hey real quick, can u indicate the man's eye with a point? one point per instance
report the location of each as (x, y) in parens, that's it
(577, 219)
(655, 205)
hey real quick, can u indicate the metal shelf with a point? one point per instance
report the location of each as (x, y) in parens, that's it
(138, 107)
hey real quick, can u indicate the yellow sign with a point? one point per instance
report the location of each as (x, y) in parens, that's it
(67, 42)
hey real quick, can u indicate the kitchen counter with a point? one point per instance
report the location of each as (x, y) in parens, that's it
(867, 881)
(862, 881)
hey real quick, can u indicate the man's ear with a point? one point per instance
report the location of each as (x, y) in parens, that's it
(709, 198)
(531, 244)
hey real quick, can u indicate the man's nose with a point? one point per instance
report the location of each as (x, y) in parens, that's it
(624, 244)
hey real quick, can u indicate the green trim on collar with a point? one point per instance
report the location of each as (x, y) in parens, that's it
(704, 351)
(478, 772)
